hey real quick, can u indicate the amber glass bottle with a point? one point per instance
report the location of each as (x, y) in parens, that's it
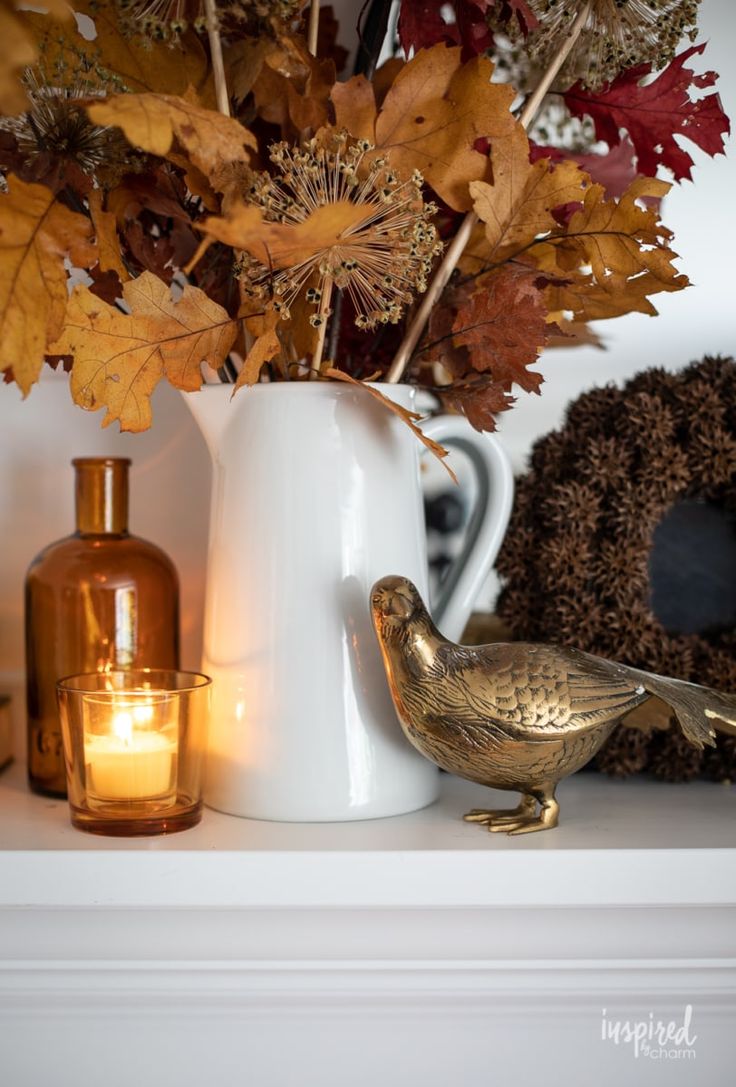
(100, 599)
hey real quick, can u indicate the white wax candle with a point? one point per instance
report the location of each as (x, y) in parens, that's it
(130, 763)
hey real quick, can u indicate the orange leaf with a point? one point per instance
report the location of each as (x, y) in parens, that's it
(518, 206)
(266, 346)
(355, 107)
(212, 142)
(119, 358)
(145, 64)
(406, 416)
(36, 235)
(614, 254)
(19, 50)
(283, 245)
(106, 236)
(434, 112)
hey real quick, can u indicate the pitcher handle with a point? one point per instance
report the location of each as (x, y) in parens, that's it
(488, 522)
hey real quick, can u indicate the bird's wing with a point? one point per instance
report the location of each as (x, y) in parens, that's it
(539, 692)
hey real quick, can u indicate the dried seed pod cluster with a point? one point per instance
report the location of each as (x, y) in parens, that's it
(382, 257)
(576, 559)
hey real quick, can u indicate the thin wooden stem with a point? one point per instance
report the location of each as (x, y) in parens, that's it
(313, 31)
(324, 313)
(218, 63)
(457, 245)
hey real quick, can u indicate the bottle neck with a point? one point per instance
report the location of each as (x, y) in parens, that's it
(101, 495)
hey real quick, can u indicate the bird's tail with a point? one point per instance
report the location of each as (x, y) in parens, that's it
(699, 710)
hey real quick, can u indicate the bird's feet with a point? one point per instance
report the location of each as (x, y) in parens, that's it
(522, 819)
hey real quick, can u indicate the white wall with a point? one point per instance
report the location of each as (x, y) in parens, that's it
(170, 478)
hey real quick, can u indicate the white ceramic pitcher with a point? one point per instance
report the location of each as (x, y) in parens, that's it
(315, 495)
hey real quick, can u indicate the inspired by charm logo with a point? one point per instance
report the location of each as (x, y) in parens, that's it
(653, 1039)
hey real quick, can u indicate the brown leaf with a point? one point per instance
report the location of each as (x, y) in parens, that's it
(433, 114)
(106, 236)
(36, 234)
(518, 206)
(211, 141)
(266, 346)
(504, 326)
(292, 89)
(408, 417)
(243, 64)
(119, 358)
(479, 398)
(355, 107)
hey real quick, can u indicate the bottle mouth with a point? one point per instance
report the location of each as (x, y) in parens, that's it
(83, 462)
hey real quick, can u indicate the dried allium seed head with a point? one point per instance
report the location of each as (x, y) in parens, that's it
(619, 34)
(382, 261)
(57, 125)
(165, 20)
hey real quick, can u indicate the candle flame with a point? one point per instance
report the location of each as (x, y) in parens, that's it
(122, 726)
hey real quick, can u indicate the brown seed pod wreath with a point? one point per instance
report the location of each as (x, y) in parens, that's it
(576, 561)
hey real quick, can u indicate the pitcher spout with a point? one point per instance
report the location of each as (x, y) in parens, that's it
(212, 409)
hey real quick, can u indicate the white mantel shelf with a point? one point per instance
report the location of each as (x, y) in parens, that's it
(619, 843)
(418, 950)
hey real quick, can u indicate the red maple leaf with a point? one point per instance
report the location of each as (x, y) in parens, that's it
(503, 325)
(654, 113)
(422, 23)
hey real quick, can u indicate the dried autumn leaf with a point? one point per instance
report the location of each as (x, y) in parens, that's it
(282, 245)
(621, 239)
(145, 64)
(518, 206)
(614, 170)
(106, 237)
(422, 23)
(479, 398)
(654, 113)
(37, 233)
(18, 51)
(152, 122)
(406, 416)
(354, 102)
(432, 116)
(266, 346)
(292, 88)
(119, 358)
(504, 326)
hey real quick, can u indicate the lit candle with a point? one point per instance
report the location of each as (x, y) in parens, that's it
(136, 759)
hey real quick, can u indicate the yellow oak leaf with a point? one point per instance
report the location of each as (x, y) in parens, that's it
(611, 257)
(283, 245)
(518, 206)
(36, 234)
(152, 122)
(119, 358)
(106, 236)
(433, 114)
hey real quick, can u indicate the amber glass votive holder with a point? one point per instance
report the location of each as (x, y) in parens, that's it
(134, 747)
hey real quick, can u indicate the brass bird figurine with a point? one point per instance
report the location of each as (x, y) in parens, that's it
(516, 716)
